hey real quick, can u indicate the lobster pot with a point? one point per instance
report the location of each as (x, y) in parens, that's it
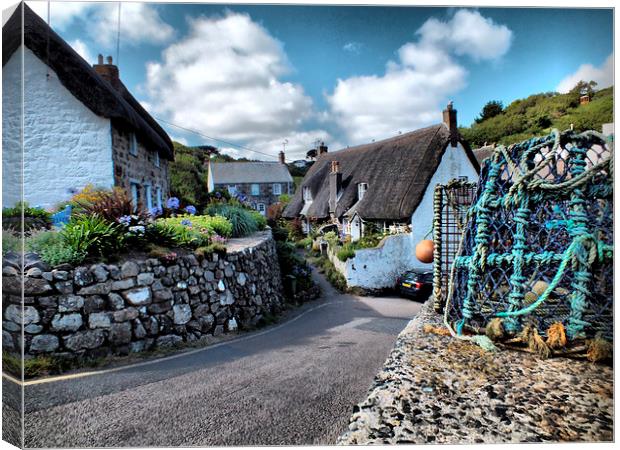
(538, 245)
(451, 202)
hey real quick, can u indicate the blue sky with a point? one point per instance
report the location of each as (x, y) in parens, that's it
(257, 75)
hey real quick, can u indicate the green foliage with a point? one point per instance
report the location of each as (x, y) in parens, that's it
(368, 241)
(34, 218)
(332, 238)
(53, 249)
(261, 221)
(285, 198)
(93, 235)
(491, 109)
(304, 243)
(109, 205)
(188, 175)
(213, 247)
(44, 365)
(244, 222)
(335, 278)
(191, 231)
(11, 242)
(345, 252)
(539, 113)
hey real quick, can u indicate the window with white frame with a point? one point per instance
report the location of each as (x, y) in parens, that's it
(361, 190)
(135, 194)
(133, 144)
(261, 208)
(255, 189)
(148, 192)
(277, 189)
(307, 194)
(159, 199)
(156, 159)
(232, 189)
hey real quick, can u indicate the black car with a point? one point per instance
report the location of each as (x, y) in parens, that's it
(416, 284)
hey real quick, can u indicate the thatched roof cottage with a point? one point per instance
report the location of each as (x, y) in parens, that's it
(81, 124)
(385, 184)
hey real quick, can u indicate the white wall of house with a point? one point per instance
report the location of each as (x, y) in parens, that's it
(379, 267)
(66, 145)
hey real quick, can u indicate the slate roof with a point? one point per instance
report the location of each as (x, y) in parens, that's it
(79, 77)
(398, 171)
(250, 172)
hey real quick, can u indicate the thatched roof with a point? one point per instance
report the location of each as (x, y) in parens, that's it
(250, 172)
(484, 152)
(79, 77)
(398, 171)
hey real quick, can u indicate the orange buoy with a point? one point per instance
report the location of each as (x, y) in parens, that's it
(424, 251)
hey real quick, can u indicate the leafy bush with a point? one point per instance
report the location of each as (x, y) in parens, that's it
(335, 278)
(192, 231)
(34, 218)
(93, 235)
(109, 205)
(345, 252)
(53, 249)
(213, 247)
(243, 221)
(304, 243)
(11, 242)
(261, 221)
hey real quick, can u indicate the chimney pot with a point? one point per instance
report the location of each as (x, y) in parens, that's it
(322, 148)
(281, 157)
(449, 118)
(108, 72)
(109, 59)
(335, 185)
(100, 59)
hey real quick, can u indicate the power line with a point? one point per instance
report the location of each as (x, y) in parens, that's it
(216, 139)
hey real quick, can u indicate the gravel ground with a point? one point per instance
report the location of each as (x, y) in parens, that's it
(436, 389)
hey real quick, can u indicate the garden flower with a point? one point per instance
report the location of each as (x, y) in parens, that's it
(125, 220)
(186, 222)
(173, 203)
(218, 194)
(217, 239)
(138, 229)
(190, 209)
(155, 211)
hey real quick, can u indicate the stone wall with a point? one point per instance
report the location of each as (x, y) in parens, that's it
(140, 168)
(139, 304)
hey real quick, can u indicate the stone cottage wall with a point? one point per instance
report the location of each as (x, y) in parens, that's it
(139, 304)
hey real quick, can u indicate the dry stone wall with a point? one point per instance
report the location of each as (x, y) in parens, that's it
(138, 305)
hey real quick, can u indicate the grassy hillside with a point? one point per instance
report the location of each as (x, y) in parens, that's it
(537, 114)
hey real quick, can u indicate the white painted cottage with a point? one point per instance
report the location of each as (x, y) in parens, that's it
(80, 125)
(384, 184)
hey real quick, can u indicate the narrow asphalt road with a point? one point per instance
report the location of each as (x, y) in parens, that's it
(292, 384)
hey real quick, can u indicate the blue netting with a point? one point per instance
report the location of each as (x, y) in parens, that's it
(538, 247)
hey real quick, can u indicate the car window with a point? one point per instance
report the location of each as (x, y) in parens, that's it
(427, 277)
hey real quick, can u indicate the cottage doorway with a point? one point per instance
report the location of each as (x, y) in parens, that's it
(356, 228)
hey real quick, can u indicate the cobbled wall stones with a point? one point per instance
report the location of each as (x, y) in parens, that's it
(137, 305)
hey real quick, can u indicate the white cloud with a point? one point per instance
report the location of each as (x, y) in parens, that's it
(413, 89)
(603, 75)
(140, 22)
(224, 80)
(353, 47)
(79, 46)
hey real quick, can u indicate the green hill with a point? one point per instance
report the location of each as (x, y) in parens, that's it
(537, 114)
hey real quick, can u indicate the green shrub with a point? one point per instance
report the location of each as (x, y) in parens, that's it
(332, 238)
(93, 235)
(11, 242)
(192, 231)
(335, 278)
(53, 249)
(34, 218)
(261, 221)
(304, 243)
(243, 222)
(109, 205)
(345, 252)
(213, 247)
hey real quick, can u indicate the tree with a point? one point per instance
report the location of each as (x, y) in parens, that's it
(491, 109)
(584, 88)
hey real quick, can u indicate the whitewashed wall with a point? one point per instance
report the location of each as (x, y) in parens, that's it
(11, 126)
(379, 267)
(66, 146)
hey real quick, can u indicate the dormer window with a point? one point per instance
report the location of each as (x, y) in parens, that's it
(307, 194)
(133, 144)
(361, 190)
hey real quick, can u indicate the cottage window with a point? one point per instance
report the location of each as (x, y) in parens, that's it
(361, 190)
(261, 208)
(307, 194)
(135, 194)
(159, 198)
(133, 144)
(255, 189)
(277, 189)
(148, 192)
(156, 159)
(232, 189)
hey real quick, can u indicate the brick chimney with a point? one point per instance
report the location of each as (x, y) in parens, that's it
(335, 184)
(281, 157)
(322, 148)
(108, 71)
(449, 118)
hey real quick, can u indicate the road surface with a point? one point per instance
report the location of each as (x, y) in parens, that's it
(293, 383)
